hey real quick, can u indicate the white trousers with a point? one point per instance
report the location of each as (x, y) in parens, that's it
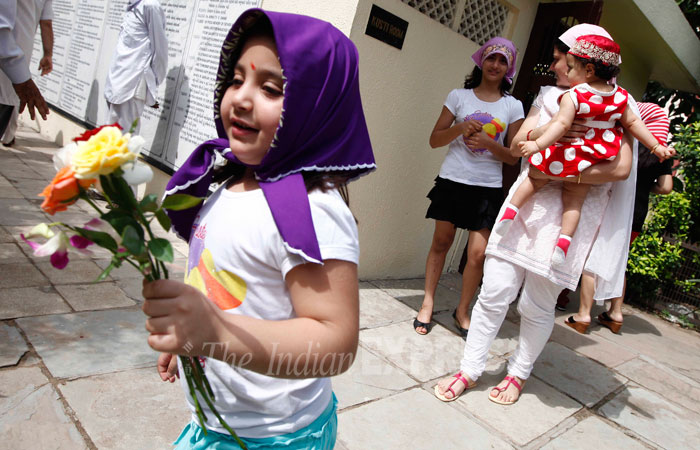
(125, 114)
(499, 288)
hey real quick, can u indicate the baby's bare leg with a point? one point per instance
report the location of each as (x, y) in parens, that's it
(573, 196)
(526, 189)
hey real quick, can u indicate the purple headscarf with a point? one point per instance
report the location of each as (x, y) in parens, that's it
(322, 127)
(498, 45)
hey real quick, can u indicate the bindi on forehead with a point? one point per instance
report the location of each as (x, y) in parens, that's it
(252, 66)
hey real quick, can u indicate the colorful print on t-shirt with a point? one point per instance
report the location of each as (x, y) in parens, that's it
(492, 126)
(224, 288)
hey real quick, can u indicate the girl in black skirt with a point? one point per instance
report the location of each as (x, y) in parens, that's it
(478, 123)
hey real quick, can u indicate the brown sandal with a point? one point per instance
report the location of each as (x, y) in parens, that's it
(581, 327)
(605, 320)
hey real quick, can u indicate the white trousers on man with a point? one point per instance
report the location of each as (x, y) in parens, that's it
(125, 114)
(501, 283)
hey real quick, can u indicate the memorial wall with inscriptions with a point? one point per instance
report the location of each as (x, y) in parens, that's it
(85, 35)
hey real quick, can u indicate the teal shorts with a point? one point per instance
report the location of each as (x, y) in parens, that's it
(318, 435)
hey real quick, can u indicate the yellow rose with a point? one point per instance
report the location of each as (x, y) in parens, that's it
(101, 154)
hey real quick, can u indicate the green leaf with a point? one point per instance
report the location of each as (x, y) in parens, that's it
(149, 203)
(132, 241)
(161, 249)
(100, 238)
(177, 202)
(163, 219)
(120, 219)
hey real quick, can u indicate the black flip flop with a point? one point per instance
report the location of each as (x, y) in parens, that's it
(462, 331)
(417, 323)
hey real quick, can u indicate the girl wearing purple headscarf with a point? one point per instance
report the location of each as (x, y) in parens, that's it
(270, 299)
(477, 122)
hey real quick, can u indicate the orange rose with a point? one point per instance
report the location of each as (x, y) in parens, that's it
(62, 191)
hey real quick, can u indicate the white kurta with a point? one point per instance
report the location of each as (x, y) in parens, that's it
(141, 55)
(601, 242)
(29, 12)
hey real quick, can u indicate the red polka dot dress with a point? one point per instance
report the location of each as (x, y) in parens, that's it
(601, 111)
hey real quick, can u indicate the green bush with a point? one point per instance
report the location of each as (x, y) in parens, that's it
(656, 254)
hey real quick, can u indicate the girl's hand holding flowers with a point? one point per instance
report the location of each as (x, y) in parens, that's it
(107, 159)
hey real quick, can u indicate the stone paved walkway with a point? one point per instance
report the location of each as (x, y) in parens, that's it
(76, 372)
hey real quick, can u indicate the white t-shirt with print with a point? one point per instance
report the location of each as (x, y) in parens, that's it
(478, 167)
(237, 255)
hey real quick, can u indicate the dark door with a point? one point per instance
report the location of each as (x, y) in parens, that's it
(551, 20)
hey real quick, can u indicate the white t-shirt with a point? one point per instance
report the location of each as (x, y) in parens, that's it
(478, 167)
(238, 257)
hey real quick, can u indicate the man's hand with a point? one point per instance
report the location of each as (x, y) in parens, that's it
(30, 96)
(528, 148)
(46, 65)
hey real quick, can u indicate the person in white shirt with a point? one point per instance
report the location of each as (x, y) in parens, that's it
(13, 64)
(517, 265)
(30, 15)
(139, 63)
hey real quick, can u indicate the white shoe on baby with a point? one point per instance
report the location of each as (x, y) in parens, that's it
(502, 227)
(558, 257)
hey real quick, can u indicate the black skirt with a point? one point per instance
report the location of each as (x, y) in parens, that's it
(464, 205)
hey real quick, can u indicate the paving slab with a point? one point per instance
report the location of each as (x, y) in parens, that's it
(412, 419)
(31, 414)
(411, 292)
(5, 236)
(18, 211)
(421, 357)
(585, 380)
(15, 170)
(31, 301)
(77, 271)
(94, 296)
(667, 383)
(369, 378)
(10, 253)
(654, 418)
(153, 412)
(12, 345)
(10, 192)
(593, 432)
(377, 308)
(599, 348)
(122, 272)
(21, 275)
(90, 343)
(132, 288)
(515, 422)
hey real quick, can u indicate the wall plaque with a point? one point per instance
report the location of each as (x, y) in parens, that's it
(386, 27)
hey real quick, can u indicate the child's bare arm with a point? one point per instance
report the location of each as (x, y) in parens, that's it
(639, 130)
(321, 341)
(556, 128)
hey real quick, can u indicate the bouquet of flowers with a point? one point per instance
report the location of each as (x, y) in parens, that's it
(106, 159)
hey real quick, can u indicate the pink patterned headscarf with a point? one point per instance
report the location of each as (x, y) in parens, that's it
(501, 46)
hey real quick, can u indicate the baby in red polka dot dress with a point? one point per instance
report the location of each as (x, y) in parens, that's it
(592, 62)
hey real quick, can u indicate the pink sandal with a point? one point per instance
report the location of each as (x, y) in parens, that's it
(511, 380)
(457, 377)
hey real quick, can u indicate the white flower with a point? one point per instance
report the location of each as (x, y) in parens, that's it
(137, 173)
(62, 157)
